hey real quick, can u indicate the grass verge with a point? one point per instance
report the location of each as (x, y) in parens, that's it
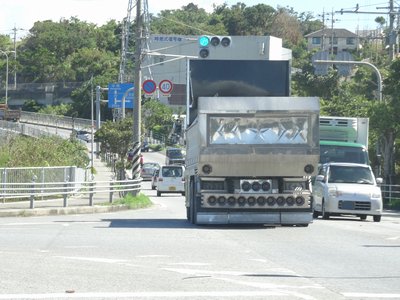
(393, 204)
(133, 202)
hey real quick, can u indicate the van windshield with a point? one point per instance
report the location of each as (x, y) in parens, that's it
(342, 174)
(337, 153)
(172, 172)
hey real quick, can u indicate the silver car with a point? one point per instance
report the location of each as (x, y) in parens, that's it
(347, 189)
(148, 169)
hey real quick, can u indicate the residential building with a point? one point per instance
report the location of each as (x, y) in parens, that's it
(332, 40)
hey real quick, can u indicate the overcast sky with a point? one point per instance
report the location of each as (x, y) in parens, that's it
(22, 14)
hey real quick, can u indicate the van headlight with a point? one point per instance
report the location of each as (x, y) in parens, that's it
(376, 195)
(332, 192)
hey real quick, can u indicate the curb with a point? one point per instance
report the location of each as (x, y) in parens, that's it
(61, 211)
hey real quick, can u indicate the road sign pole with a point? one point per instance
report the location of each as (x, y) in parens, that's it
(124, 99)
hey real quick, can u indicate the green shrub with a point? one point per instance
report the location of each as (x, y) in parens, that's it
(394, 204)
(134, 202)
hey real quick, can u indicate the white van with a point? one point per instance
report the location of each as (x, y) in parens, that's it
(171, 180)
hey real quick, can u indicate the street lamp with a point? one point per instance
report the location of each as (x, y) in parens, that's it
(5, 53)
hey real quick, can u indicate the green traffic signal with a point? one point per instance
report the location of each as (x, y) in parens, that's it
(204, 41)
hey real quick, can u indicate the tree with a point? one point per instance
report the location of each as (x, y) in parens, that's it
(385, 119)
(157, 118)
(287, 26)
(116, 137)
(190, 20)
(48, 53)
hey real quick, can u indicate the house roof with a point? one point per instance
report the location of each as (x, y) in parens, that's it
(337, 32)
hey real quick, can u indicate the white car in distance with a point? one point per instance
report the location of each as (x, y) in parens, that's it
(347, 189)
(171, 180)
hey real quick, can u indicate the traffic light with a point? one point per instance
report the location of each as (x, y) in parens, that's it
(215, 41)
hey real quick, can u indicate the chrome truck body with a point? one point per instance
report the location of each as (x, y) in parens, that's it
(249, 160)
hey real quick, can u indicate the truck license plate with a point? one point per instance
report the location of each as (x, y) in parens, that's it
(172, 188)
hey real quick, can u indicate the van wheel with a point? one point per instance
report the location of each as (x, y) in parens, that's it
(377, 218)
(315, 214)
(158, 194)
(324, 214)
(363, 218)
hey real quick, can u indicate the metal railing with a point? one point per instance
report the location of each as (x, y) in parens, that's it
(55, 121)
(390, 192)
(63, 194)
(42, 175)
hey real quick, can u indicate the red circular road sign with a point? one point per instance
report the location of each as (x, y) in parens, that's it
(149, 86)
(166, 86)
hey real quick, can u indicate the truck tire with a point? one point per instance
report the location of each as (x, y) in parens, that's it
(193, 209)
(187, 194)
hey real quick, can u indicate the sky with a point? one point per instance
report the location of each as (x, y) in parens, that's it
(21, 14)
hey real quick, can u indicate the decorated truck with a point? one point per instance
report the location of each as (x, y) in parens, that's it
(251, 149)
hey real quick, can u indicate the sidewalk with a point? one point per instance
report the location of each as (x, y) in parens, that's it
(79, 204)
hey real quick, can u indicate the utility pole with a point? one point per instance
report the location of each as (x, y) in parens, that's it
(392, 14)
(323, 29)
(137, 93)
(333, 20)
(15, 55)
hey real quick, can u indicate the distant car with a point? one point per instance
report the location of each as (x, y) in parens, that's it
(171, 180)
(175, 156)
(84, 135)
(154, 179)
(147, 170)
(347, 189)
(145, 147)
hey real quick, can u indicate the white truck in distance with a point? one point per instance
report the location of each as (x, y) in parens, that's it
(344, 139)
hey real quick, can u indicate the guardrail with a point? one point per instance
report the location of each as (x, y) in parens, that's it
(55, 121)
(55, 194)
(390, 192)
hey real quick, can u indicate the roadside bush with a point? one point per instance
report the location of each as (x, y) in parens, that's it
(22, 151)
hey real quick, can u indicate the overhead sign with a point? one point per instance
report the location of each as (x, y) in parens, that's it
(116, 92)
(166, 87)
(149, 86)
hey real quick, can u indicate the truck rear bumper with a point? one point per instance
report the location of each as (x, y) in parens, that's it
(273, 218)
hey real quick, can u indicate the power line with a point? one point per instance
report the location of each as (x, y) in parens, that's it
(392, 14)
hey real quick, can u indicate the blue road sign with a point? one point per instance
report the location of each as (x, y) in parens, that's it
(116, 92)
(149, 86)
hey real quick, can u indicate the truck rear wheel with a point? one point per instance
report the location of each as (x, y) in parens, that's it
(192, 208)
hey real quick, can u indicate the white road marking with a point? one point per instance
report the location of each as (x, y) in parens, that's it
(140, 295)
(94, 259)
(30, 224)
(393, 238)
(151, 256)
(372, 295)
(190, 264)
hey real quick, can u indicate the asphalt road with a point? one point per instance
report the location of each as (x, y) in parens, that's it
(155, 253)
